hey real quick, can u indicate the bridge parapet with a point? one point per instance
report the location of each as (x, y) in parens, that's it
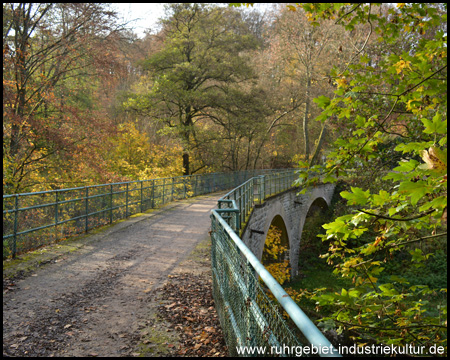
(255, 191)
(249, 317)
(31, 220)
(293, 209)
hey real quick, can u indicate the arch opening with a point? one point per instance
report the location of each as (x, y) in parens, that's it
(311, 246)
(275, 256)
(318, 206)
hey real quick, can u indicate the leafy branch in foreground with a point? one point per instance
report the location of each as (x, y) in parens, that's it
(391, 109)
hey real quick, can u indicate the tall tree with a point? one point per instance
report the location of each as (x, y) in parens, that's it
(203, 54)
(48, 50)
(238, 125)
(304, 55)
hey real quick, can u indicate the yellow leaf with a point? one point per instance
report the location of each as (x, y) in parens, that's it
(402, 64)
(342, 82)
(432, 158)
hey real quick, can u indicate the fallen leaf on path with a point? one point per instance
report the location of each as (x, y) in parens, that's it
(191, 313)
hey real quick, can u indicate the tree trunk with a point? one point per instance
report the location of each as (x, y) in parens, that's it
(21, 27)
(306, 117)
(185, 164)
(187, 139)
(316, 153)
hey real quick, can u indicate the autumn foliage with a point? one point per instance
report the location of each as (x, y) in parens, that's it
(274, 256)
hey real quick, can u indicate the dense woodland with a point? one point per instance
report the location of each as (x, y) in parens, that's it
(354, 94)
(216, 89)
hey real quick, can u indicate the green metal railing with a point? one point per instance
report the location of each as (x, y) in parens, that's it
(255, 191)
(31, 220)
(245, 292)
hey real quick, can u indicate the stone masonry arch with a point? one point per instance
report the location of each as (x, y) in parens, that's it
(274, 211)
(293, 209)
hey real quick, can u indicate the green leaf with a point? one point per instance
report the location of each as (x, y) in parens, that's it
(325, 299)
(336, 226)
(360, 121)
(407, 166)
(388, 289)
(413, 147)
(436, 126)
(381, 199)
(358, 197)
(322, 101)
(415, 190)
(359, 132)
(392, 211)
(394, 176)
(398, 279)
(417, 255)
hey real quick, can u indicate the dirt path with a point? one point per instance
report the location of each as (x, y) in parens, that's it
(96, 301)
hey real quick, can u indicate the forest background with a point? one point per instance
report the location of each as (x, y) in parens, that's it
(85, 101)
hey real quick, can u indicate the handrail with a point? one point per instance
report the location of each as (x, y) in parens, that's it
(33, 219)
(256, 190)
(227, 251)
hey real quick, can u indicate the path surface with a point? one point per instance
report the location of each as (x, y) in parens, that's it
(94, 301)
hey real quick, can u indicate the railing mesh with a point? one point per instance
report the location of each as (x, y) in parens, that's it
(31, 220)
(245, 310)
(254, 310)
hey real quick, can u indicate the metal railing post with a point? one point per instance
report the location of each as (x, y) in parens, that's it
(56, 215)
(16, 207)
(261, 188)
(153, 194)
(111, 205)
(86, 200)
(126, 201)
(142, 205)
(241, 212)
(164, 190)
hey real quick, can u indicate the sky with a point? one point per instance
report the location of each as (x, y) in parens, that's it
(145, 15)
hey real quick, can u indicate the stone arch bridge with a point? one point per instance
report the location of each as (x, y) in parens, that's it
(290, 211)
(241, 283)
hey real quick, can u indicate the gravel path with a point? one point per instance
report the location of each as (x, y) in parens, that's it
(95, 301)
